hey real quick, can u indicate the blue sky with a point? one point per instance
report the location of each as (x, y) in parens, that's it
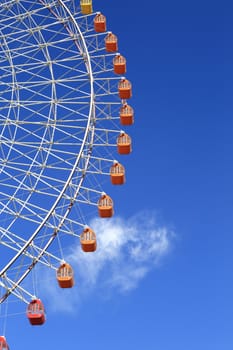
(178, 194)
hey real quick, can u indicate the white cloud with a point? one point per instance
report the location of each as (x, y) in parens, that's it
(127, 250)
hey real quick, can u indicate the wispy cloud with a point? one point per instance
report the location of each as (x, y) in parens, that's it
(127, 250)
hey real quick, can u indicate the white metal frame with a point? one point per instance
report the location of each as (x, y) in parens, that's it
(47, 45)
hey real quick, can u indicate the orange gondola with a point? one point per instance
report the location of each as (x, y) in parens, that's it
(124, 143)
(126, 115)
(65, 276)
(117, 174)
(100, 23)
(111, 42)
(86, 7)
(119, 64)
(88, 240)
(3, 343)
(125, 89)
(105, 206)
(36, 312)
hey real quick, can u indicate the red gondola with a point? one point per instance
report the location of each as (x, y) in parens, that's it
(105, 206)
(100, 23)
(111, 42)
(36, 312)
(65, 276)
(124, 89)
(3, 343)
(126, 115)
(119, 64)
(117, 174)
(88, 240)
(124, 144)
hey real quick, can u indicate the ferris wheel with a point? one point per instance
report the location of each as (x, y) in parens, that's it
(63, 105)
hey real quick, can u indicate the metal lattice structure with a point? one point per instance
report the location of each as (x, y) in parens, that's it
(59, 111)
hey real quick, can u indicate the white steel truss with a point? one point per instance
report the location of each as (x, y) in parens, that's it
(59, 112)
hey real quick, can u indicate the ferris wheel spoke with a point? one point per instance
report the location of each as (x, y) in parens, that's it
(14, 242)
(20, 293)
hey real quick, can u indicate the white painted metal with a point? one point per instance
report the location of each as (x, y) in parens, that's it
(59, 109)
